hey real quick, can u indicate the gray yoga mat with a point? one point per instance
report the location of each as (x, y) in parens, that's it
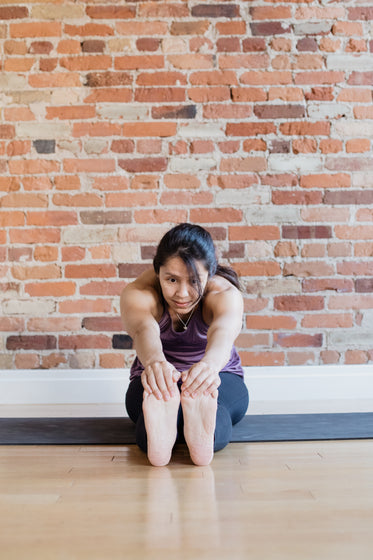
(120, 431)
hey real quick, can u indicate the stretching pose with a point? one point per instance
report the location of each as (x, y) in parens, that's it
(186, 382)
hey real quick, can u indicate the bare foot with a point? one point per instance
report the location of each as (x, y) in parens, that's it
(161, 427)
(199, 426)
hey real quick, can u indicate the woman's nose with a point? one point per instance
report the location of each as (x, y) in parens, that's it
(182, 289)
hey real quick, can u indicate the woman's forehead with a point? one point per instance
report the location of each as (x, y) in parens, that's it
(177, 267)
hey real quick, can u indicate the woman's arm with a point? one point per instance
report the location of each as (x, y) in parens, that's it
(139, 306)
(225, 307)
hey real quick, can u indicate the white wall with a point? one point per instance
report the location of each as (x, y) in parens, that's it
(272, 389)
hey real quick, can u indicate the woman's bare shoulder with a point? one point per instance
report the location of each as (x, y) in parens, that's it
(144, 291)
(218, 284)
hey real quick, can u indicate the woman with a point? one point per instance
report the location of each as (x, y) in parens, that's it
(187, 379)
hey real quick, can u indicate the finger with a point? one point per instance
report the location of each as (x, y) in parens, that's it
(194, 387)
(150, 377)
(209, 384)
(168, 375)
(161, 382)
(145, 384)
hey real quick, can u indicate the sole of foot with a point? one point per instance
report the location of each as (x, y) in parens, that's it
(199, 426)
(161, 427)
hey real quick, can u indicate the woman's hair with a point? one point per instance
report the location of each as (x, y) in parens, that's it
(192, 243)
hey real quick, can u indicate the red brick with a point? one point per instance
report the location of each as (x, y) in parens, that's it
(33, 342)
(244, 61)
(55, 79)
(299, 303)
(90, 271)
(100, 165)
(352, 232)
(216, 10)
(224, 111)
(160, 216)
(137, 62)
(35, 29)
(253, 164)
(11, 324)
(306, 232)
(161, 79)
(85, 306)
(279, 111)
(248, 95)
(111, 12)
(96, 129)
(209, 94)
(186, 198)
(50, 289)
(44, 272)
(132, 270)
(24, 200)
(328, 321)
(321, 77)
(161, 95)
(298, 340)
(162, 129)
(322, 181)
(231, 28)
(46, 253)
(108, 324)
(33, 166)
(68, 113)
(51, 218)
(249, 129)
(103, 288)
(43, 235)
(11, 219)
(254, 359)
(363, 13)
(244, 233)
(128, 200)
(54, 324)
(351, 302)
(258, 268)
(305, 128)
(7, 131)
(78, 341)
(271, 323)
(13, 12)
(296, 197)
(112, 360)
(143, 165)
(77, 200)
(215, 215)
(162, 10)
(181, 181)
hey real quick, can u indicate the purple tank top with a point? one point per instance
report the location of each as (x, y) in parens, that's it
(185, 348)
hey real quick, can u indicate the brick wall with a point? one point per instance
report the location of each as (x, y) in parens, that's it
(118, 120)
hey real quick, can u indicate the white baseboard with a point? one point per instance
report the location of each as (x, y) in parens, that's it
(273, 390)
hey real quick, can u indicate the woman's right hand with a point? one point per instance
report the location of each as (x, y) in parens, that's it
(160, 378)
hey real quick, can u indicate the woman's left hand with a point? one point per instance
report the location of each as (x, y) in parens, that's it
(200, 379)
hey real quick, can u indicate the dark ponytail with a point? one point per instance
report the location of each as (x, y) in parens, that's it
(192, 243)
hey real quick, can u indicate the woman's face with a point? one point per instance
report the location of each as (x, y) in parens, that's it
(180, 290)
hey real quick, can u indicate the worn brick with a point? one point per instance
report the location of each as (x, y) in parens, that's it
(31, 342)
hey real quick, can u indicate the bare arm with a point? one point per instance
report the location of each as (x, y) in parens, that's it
(226, 308)
(139, 307)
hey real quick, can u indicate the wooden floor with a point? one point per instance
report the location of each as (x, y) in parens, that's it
(257, 501)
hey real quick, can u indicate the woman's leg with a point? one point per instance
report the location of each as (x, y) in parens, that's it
(134, 399)
(233, 401)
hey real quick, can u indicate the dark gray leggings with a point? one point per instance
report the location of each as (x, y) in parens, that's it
(233, 401)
